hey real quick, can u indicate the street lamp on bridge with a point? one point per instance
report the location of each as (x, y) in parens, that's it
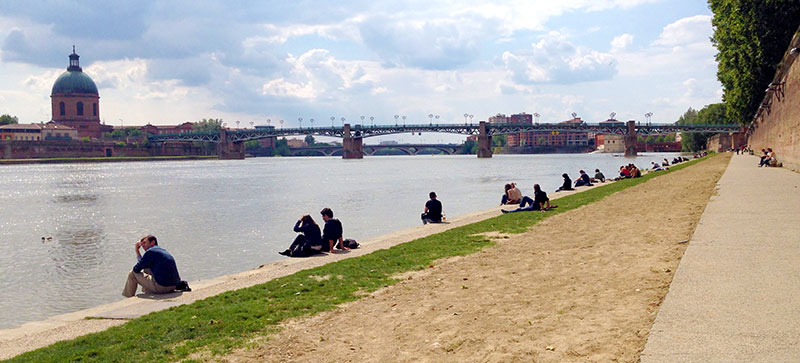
(395, 120)
(648, 116)
(611, 116)
(465, 118)
(312, 123)
(430, 118)
(362, 119)
(300, 119)
(470, 118)
(372, 119)
(342, 121)
(536, 115)
(269, 121)
(404, 120)
(332, 119)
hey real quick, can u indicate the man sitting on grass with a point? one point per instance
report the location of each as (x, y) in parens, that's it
(156, 270)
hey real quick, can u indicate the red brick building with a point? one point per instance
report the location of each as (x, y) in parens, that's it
(168, 129)
(75, 101)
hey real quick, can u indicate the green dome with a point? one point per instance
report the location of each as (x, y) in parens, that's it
(74, 81)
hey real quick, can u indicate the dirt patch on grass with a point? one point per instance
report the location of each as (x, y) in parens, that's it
(583, 285)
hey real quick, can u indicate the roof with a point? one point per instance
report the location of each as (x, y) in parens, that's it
(74, 82)
(12, 127)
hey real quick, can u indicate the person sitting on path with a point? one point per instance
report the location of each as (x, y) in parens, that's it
(583, 179)
(504, 198)
(540, 202)
(332, 232)
(155, 271)
(767, 158)
(433, 210)
(598, 177)
(656, 167)
(635, 172)
(665, 163)
(624, 172)
(308, 242)
(567, 183)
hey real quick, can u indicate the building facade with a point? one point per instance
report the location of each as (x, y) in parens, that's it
(75, 101)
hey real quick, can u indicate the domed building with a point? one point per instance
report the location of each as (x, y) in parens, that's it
(76, 102)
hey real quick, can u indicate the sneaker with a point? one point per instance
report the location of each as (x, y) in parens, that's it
(504, 211)
(285, 253)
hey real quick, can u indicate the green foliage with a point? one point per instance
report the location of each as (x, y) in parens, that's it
(714, 114)
(281, 147)
(219, 324)
(251, 145)
(751, 37)
(208, 125)
(499, 141)
(124, 133)
(310, 140)
(7, 119)
(468, 147)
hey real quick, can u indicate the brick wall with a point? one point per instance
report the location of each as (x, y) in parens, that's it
(67, 149)
(780, 128)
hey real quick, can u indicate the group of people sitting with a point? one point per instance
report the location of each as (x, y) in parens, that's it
(311, 241)
(767, 158)
(583, 180)
(513, 195)
(628, 171)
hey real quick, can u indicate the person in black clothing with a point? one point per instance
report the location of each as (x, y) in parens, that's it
(332, 232)
(433, 210)
(567, 183)
(583, 180)
(308, 242)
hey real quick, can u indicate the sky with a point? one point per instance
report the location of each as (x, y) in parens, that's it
(168, 62)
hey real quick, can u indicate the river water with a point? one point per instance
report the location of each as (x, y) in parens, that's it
(225, 216)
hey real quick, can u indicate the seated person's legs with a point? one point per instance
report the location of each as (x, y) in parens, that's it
(526, 200)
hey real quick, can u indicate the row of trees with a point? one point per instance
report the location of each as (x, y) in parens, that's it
(8, 119)
(751, 37)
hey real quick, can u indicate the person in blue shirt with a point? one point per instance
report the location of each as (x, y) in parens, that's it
(156, 271)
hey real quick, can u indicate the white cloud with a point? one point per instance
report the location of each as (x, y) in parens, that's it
(555, 60)
(620, 43)
(691, 30)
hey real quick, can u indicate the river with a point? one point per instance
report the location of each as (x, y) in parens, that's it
(67, 231)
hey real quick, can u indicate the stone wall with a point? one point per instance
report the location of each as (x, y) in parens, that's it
(778, 125)
(74, 149)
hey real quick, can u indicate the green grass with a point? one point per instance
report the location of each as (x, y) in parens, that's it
(226, 321)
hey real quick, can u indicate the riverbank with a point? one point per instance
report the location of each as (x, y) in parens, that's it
(420, 253)
(109, 159)
(581, 285)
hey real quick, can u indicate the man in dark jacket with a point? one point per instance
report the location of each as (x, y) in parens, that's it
(156, 270)
(433, 210)
(332, 232)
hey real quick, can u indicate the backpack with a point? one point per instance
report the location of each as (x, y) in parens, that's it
(350, 243)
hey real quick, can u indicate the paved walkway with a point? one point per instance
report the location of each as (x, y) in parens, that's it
(736, 293)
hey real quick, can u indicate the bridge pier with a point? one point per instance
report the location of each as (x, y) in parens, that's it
(353, 147)
(484, 141)
(630, 139)
(227, 150)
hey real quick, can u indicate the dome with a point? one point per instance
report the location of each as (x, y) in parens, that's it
(74, 80)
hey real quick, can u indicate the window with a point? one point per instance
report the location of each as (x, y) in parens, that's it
(61, 109)
(80, 108)
(94, 109)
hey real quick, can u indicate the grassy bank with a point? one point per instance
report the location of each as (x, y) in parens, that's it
(229, 320)
(103, 159)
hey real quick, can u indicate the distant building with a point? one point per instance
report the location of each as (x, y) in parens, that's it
(388, 142)
(37, 132)
(75, 101)
(168, 129)
(296, 143)
(269, 141)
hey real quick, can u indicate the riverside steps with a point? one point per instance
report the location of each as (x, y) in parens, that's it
(736, 293)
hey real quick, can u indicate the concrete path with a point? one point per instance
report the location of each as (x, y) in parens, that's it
(736, 294)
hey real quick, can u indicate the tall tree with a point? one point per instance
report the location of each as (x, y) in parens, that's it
(8, 119)
(751, 37)
(208, 125)
(310, 140)
(715, 113)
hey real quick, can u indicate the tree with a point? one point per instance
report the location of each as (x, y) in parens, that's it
(8, 120)
(281, 147)
(468, 147)
(208, 125)
(751, 37)
(251, 145)
(499, 140)
(124, 133)
(715, 114)
(310, 140)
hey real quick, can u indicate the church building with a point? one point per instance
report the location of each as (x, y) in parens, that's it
(76, 102)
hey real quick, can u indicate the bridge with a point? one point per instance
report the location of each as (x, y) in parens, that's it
(408, 149)
(231, 141)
